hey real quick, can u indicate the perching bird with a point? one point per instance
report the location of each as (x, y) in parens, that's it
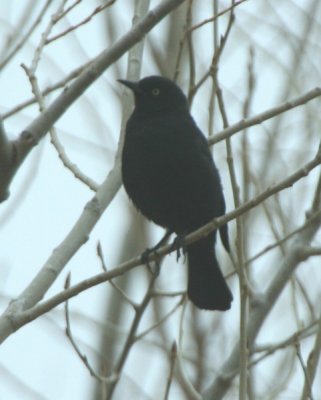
(169, 174)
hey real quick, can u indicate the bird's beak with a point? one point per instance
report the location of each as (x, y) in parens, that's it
(134, 86)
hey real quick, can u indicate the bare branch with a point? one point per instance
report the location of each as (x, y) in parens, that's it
(96, 11)
(131, 336)
(243, 283)
(173, 356)
(269, 348)
(264, 116)
(212, 19)
(7, 162)
(311, 369)
(83, 357)
(307, 383)
(189, 388)
(113, 284)
(78, 174)
(71, 166)
(44, 36)
(164, 318)
(49, 89)
(27, 35)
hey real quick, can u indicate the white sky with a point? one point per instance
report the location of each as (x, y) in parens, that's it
(37, 362)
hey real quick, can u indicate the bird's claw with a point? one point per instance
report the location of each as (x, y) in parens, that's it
(153, 250)
(145, 260)
(179, 246)
(146, 253)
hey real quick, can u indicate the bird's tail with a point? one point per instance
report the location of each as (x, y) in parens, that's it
(207, 288)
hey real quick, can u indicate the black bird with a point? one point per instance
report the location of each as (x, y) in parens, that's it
(169, 174)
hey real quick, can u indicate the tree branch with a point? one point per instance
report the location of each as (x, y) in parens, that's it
(7, 162)
(264, 116)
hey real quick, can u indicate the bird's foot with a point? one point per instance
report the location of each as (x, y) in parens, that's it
(179, 246)
(146, 254)
(153, 250)
(154, 267)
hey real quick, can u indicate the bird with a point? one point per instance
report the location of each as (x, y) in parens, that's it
(169, 174)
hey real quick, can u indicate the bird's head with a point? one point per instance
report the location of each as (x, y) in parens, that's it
(156, 94)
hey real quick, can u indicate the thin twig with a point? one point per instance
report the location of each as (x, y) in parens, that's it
(212, 101)
(68, 164)
(185, 383)
(163, 319)
(26, 36)
(312, 365)
(131, 336)
(49, 89)
(82, 357)
(191, 55)
(173, 357)
(126, 298)
(304, 369)
(215, 59)
(72, 167)
(212, 19)
(283, 240)
(243, 284)
(67, 10)
(96, 11)
(180, 48)
(270, 349)
(264, 116)
(162, 293)
(188, 386)
(246, 155)
(42, 106)
(45, 34)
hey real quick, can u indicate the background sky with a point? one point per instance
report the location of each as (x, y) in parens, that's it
(38, 362)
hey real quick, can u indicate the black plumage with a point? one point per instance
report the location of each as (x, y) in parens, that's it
(169, 174)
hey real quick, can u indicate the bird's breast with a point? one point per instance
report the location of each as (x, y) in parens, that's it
(169, 174)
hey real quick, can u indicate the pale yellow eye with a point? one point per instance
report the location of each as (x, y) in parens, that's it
(155, 92)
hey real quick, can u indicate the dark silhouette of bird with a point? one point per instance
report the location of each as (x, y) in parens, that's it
(170, 176)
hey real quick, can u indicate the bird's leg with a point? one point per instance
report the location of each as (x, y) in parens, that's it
(178, 245)
(151, 250)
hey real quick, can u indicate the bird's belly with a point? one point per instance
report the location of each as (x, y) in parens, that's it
(165, 192)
